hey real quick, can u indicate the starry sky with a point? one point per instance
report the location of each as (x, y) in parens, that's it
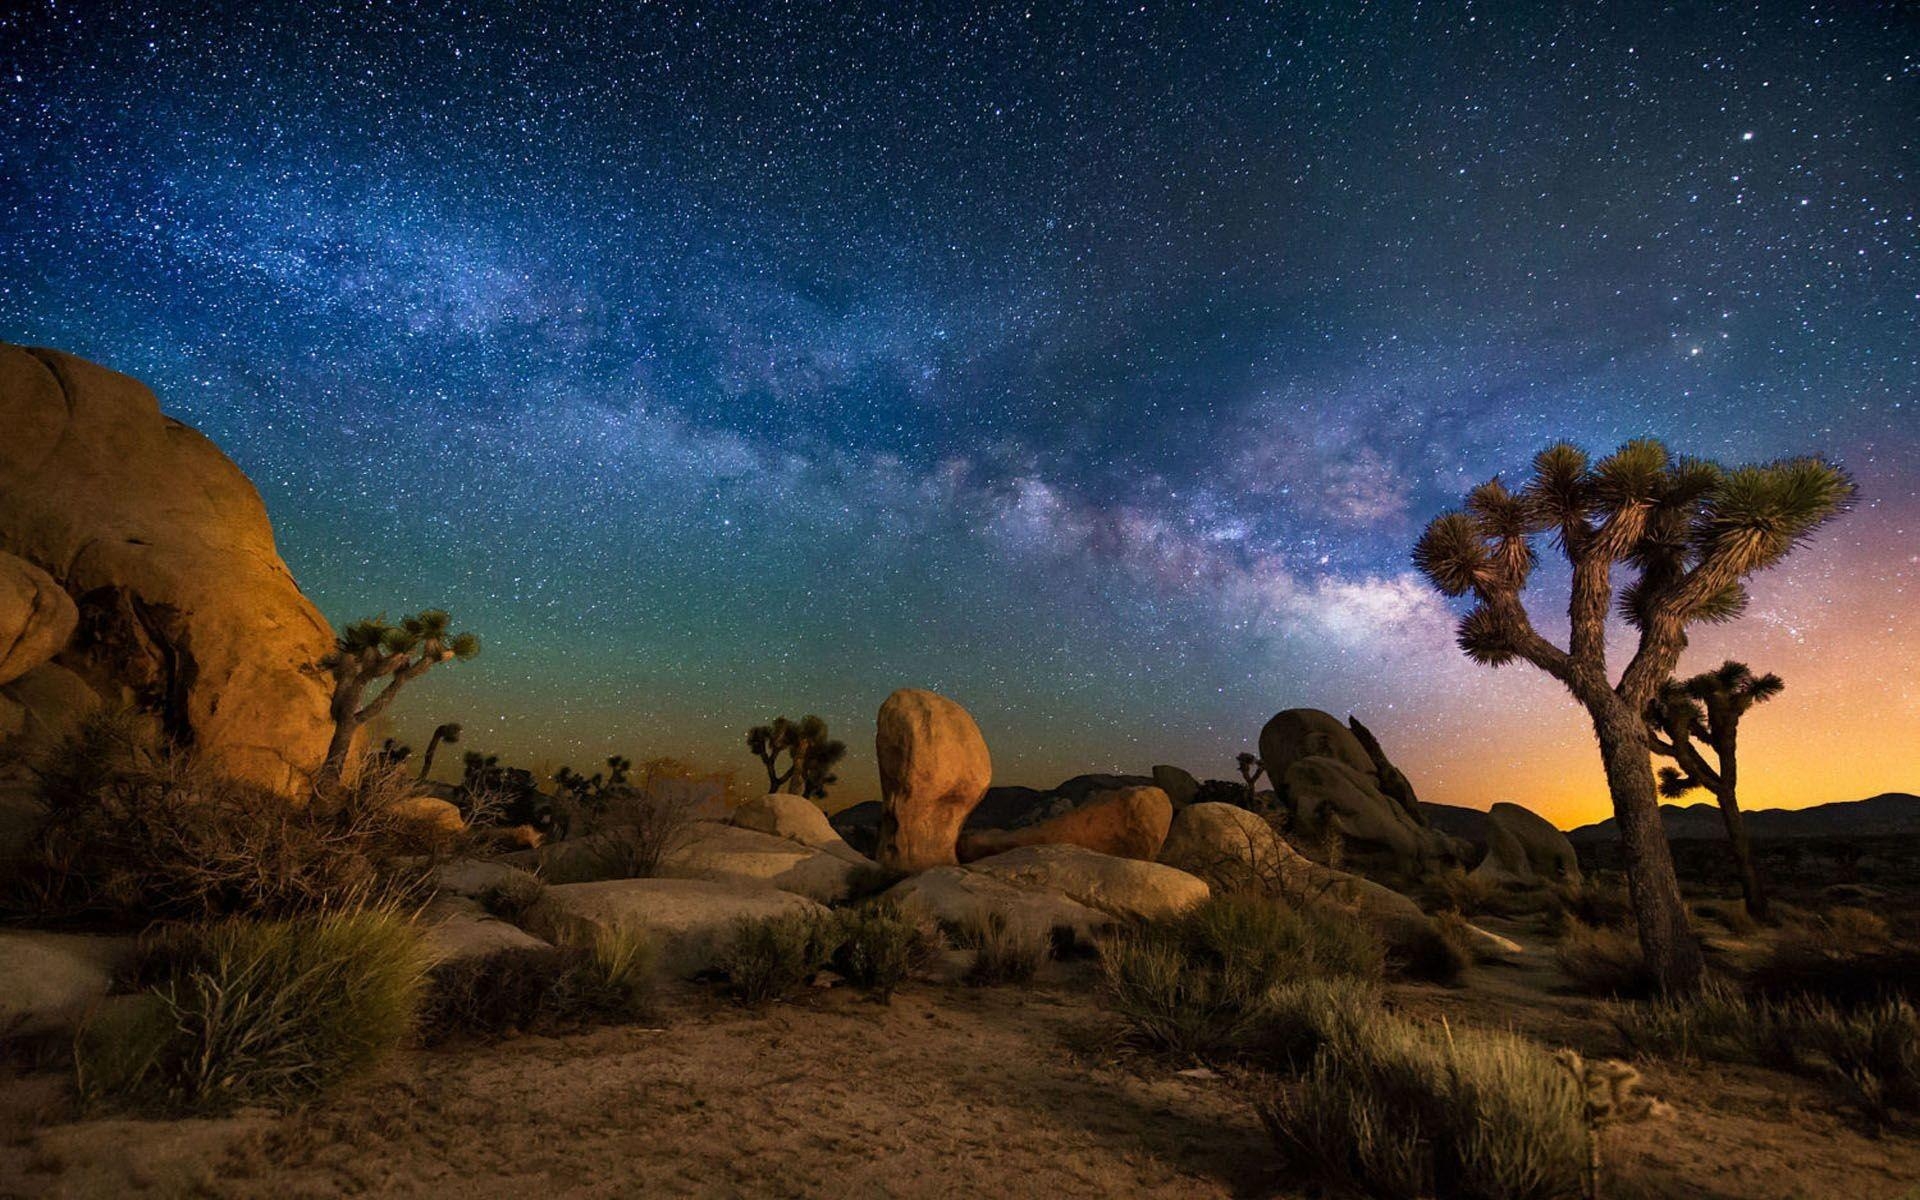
(1095, 365)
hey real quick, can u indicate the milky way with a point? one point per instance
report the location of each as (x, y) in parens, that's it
(1096, 369)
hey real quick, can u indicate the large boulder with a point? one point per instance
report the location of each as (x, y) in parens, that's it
(726, 853)
(1524, 849)
(1325, 792)
(1123, 887)
(1227, 846)
(688, 920)
(183, 604)
(36, 617)
(1179, 785)
(1299, 733)
(49, 982)
(1009, 806)
(456, 929)
(959, 895)
(797, 819)
(1129, 823)
(934, 767)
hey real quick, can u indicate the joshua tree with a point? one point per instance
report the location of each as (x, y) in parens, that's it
(1250, 770)
(372, 649)
(811, 755)
(1708, 707)
(448, 733)
(1694, 531)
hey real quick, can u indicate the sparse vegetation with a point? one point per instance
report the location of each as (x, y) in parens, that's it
(1003, 951)
(773, 958)
(880, 944)
(1437, 951)
(1603, 961)
(137, 831)
(514, 898)
(1201, 984)
(541, 988)
(242, 1011)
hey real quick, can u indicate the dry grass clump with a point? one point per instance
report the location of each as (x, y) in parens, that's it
(541, 988)
(772, 958)
(1201, 984)
(1455, 890)
(1603, 961)
(1847, 955)
(1003, 951)
(245, 1011)
(1393, 1108)
(1438, 950)
(136, 832)
(1869, 1053)
(1595, 903)
(514, 898)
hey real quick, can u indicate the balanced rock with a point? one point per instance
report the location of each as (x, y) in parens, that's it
(688, 920)
(934, 767)
(1525, 850)
(164, 547)
(1129, 823)
(36, 617)
(1123, 887)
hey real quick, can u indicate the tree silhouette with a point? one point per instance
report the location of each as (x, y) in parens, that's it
(810, 755)
(1250, 770)
(1708, 708)
(370, 650)
(448, 733)
(1693, 531)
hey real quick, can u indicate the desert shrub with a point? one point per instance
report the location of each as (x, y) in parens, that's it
(1603, 961)
(771, 958)
(514, 898)
(1847, 956)
(1302, 1015)
(1199, 984)
(1595, 903)
(539, 988)
(240, 1011)
(1003, 951)
(1457, 891)
(637, 828)
(1731, 916)
(1870, 1055)
(1438, 950)
(1718, 1023)
(880, 944)
(136, 831)
(1391, 1108)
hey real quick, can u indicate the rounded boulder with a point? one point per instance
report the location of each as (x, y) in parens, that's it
(934, 768)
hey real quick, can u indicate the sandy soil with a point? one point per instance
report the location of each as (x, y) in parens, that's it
(948, 1091)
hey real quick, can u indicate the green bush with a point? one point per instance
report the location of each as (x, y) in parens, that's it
(1391, 1108)
(136, 831)
(1201, 984)
(541, 988)
(244, 1011)
(880, 945)
(1003, 951)
(772, 958)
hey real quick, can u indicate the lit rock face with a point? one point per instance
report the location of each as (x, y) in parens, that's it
(164, 548)
(36, 617)
(1123, 887)
(1129, 823)
(797, 819)
(1524, 849)
(1330, 779)
(934, 768)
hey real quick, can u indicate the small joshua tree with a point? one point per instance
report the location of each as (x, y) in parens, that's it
(1694, 531)
(1251, 769)
(448, 733)
(1708, 707)
(370, 650)
(810, 755)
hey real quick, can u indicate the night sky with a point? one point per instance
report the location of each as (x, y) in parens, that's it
(1096, 368)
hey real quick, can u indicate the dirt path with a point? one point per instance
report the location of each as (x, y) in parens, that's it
(947, 1092)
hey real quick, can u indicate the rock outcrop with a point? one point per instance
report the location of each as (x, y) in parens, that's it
(1180, 786)
(797, 819)
(36, 617)
(1525, 850)
(181, 601)
(958, 895)
(1123, 887)
(1129, 823)
(1330, 777)
(934, 767)
(688, 920)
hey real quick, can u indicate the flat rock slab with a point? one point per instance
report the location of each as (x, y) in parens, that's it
(1123, 887)
(473, 876)
(50, 981)
(689, 920)
(958, 895)
(454, 929)
(727, 854)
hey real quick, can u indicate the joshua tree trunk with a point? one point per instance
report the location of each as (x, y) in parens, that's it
(1728, 795)
(1666, 939)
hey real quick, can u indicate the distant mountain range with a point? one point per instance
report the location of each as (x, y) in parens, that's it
(1888, 813)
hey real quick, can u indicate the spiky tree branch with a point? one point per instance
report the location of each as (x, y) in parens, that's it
(372, 650)
(810, 754)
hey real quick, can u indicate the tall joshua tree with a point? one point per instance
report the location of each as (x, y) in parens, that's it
(810, 754)
(1693, 531)
(1250, 771)
(370, 650)
(1708, 708)
(449, 734)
